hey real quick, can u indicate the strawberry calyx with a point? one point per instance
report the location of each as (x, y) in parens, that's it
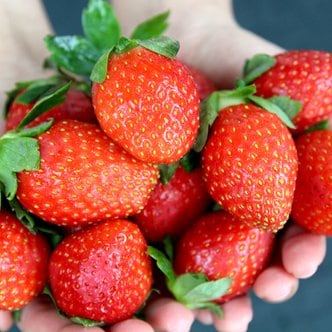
(88, 55)
(194, 290)
(284, 107)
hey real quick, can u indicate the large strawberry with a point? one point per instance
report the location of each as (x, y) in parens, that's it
(102, 273)
(174, 205)
(84, 177)
(148, 104)
(312, 206)
(303, 75)
(23, 263)
(250, 165)
(220, 245)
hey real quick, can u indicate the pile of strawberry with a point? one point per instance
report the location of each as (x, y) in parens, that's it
(126, 149)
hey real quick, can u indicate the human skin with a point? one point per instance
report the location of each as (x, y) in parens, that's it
(211, 40)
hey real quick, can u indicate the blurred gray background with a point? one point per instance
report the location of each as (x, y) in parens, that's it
(293, 24)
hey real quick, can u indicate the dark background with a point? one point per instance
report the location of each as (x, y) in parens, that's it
(293, 24)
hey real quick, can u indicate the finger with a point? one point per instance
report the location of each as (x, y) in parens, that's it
(40, 315)
(275, 285)
(204, 316)
(130, 325)
(167, 315)
(6, 320)
(302, 252)
(238, 314)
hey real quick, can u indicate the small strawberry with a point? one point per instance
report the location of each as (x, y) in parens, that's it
(174, 205)
(23, 263)
(250, 164)
(148, 104)
(102, 273)
(84, 177)
(312, 206)
(303, 75)
(220, 245)
(77, 106)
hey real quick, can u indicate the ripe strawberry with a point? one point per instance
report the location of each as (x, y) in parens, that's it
(250, 165)
(303, 75)
(174, 205)
(23, 263)
(84, 177)
(102, 273)
(76, 106)
(312, 206)
(220, 245)
(203, 84)
(148, 104)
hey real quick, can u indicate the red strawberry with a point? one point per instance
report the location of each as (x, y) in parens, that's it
(23, 263)
(250, 165)
(148, 104)
(77, 106)
(174, 205)
(102, 273)
(303, 75)
(84, 177)
(204, 85)
(312, 206)
(220, 245)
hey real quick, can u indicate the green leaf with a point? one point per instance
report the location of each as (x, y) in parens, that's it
(151, 28)
(86, 322)
(190, 161)
(323, 125)
(289, 106)
(163, 263)
(163, 45)
(75, 54)
(16, 154)
(167, 171)
(256, 66)
(100, 25)
(273, 108)
(211, 107)
(44, 104)
(99, 70)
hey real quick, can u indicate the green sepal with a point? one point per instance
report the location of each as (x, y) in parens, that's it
(194, 290)
(270, 106)
(211, 106)
(151, 28)
(256, 66)
(167, 171)
(289, 106)
(163, 45)
(323, 125)
(99, 70)
(100, 24)
(44, 104)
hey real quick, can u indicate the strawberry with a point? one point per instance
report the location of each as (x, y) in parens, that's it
(84, 177)
(250, 164)
(148, 104)
(312, 206)
(203, 83)
(174, 205)
(23, 263)
(102, 273)
(303, 75)
(77, 106)
(220, 245)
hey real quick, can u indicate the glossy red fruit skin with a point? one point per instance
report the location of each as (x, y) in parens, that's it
(172, 207)
(23, 263)
(303, 75)
(102, 273)
(84, 177)
(76, 106)
(312, 206)
(250, 165)
(220, 245)
(149, 105)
